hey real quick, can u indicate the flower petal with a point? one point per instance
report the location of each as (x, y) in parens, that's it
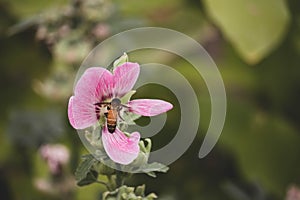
(149, 107)
(81, 115)
(125, 77)
(120, 148)
(94, 85)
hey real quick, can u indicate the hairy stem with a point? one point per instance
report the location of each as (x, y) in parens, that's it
(112, 182)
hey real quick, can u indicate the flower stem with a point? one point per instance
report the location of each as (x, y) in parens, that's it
(111, 182)
(119, 179)
(119, 176)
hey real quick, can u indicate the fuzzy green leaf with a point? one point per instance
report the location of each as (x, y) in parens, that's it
(140, 190)
(85, 167)
(120, 61)
(152, 174)
(91, 177)
(151, 196)
(130, 117)
(155, 167)
(127, 96)
(151, 168)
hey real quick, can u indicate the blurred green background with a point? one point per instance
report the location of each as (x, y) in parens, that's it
(255, 44)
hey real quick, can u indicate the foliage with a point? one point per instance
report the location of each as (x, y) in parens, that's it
(256, 47)
(249, 25)
(91, 167)
(124, 193)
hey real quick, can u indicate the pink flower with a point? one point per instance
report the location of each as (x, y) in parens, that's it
(98, 85)
(56, 155)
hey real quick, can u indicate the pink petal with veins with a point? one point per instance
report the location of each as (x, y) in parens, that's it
(120, 148)
(81, 115)
(94, 84)
(149, 107)
(125, 77)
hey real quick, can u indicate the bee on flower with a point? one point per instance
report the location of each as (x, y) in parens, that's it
(99, 92)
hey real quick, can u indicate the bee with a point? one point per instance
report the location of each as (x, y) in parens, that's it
(113, 113)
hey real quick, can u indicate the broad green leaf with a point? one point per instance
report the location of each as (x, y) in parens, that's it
(105, 170)
(154, 167)
(90, 178)
(151, 168)
(254, 27)
(85, 167)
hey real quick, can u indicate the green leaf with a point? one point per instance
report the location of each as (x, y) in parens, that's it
(93, 136)
(120, 61)
(85, 167)
(146, 148)
(140, 190)
(105, 170)
(152, 174)
(254, 27)
(109, 195)
(130, 193)
(151, 196)
(91, 177)
(155, 166)
(127, 96)
(151, 168)
(130, 117)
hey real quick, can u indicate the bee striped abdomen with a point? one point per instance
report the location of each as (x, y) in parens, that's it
(111, 121)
